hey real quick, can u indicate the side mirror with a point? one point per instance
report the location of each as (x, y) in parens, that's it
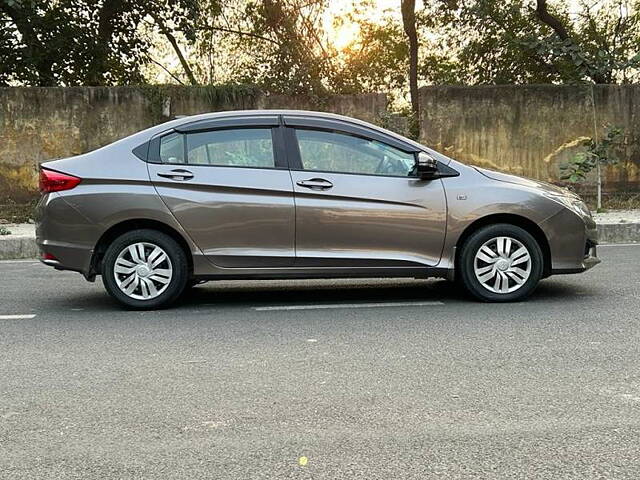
(426, 166)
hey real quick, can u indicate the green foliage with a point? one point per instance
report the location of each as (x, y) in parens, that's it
(281, 46)
(4, 230)
(229, 93)
(602, 152)
(81, 42)
(493, 42)
(217, 96)
(377, 62)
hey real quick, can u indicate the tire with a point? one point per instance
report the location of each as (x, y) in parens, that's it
(494, 255)
(145, 269)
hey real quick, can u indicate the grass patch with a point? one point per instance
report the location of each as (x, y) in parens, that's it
(615, 201)
(17, 212)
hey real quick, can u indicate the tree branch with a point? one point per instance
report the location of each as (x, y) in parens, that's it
(176, 48)
(241, 33)
(560, 30)
(545, 17)
(177, 79)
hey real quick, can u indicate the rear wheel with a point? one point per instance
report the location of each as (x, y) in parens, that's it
(501, 263)
(145, 269)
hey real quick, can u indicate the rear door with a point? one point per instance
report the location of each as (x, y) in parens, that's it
(228, 185)
(358, 204)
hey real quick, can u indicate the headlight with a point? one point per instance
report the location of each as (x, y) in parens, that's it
(574, 204)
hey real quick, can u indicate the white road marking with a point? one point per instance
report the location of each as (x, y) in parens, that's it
(347, 305)
(34, 262)
(619, 245)
(17, 317)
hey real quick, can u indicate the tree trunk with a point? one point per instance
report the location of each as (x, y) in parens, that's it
(98, 65)
(409, 22)
(36, 51)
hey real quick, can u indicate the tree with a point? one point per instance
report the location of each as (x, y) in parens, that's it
(290, 53)
(378, 61)
(408, 8)
(80, 42)
(597, 154)
(518, 41)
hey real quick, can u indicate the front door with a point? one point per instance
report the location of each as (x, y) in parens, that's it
(359, 205)
(230, 192)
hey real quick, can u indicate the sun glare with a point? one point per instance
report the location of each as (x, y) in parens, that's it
(344, 35)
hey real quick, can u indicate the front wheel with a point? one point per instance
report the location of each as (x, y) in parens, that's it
(145, 269)
(500, 263)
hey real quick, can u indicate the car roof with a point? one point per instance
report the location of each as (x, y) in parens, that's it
(185, 120)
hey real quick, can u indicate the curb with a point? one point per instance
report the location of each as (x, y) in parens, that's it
(18, 246)
(14, 247)
(618, 232)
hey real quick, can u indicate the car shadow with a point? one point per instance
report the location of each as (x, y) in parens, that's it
(293, 292)
(314, 292)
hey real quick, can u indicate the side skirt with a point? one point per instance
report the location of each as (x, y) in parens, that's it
(319, 273)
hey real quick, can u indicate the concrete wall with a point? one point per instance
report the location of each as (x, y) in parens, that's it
(531, 130)
(526, 130)
(38, 124)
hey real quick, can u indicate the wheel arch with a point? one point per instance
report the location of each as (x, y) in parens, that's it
(120, 228)
(512, 219)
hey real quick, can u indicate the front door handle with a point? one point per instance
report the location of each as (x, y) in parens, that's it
(177, 174)
(315, 184)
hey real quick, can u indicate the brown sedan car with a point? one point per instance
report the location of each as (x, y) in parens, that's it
(295, 194)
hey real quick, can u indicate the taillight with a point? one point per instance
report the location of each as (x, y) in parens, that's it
(51, 181)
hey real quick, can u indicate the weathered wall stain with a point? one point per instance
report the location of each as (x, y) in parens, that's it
(16, 183)
(531, 130)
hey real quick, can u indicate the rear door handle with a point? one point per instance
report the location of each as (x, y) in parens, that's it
(315, 184)
(177, 174)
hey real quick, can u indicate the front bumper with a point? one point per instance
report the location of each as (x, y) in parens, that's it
(590, 260)
(573, 242)
(591, 255)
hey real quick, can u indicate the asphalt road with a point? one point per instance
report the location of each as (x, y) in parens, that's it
(237, 383)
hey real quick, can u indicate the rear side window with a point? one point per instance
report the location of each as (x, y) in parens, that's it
(172, 148)
(242, 147)
(246, 147)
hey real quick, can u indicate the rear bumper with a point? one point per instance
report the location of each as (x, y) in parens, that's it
(63, 233)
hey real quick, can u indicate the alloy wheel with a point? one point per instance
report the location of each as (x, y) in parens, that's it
(143, 271)
(502, 264)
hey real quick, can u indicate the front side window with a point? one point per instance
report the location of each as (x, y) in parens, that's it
(343, 153)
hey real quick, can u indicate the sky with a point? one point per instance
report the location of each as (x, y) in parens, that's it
(347, 33)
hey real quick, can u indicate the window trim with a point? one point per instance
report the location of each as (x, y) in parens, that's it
(296, 165)
(279, 157)
(225, 123)
(343, 126)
